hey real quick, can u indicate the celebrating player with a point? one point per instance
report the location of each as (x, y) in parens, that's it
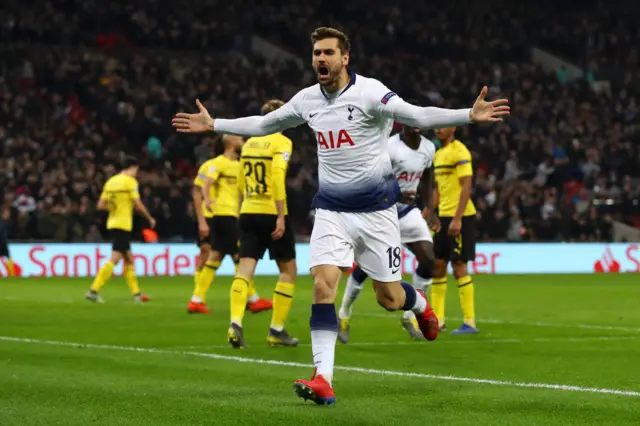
(356, 217)
(411, 159)
(264, 225)
(119, 197)
(216, 201)
(455, 242)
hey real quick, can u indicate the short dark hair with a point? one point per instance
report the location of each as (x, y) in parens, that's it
(129, 161)
(271, 106)
(323, 33)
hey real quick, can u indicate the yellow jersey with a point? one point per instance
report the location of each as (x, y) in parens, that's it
(263, 167)
(224, 190)
(451, 163)
(120, 192)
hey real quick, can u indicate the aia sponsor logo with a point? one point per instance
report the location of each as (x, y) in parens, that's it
(409, 177)
(330, 140)
(607, 263)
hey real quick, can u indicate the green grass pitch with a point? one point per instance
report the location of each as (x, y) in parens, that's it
(553, 350)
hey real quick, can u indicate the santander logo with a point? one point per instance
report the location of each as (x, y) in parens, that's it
(607, 263)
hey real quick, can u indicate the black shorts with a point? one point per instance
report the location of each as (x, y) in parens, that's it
(120, 240)
(209, 238)
(4, 248)
(224, 233)
(460, 248)
(255, 238)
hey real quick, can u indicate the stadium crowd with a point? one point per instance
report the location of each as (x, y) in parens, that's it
(75, 96)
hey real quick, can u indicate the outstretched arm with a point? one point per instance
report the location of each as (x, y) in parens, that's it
(392, 106)
(427, 117)
(258, 125)
(281, 119)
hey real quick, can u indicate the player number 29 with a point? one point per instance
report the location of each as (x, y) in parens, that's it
(395, 257)
(258, 171)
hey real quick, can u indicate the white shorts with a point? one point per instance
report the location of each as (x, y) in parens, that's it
(371, 239)
(414, 228)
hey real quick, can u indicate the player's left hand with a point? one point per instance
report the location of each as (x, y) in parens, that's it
(408, 197)
(280, 227)
(432, 219)
(193, 123)
(489, 112)
(455, 227)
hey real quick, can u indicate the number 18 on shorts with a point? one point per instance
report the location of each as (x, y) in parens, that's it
(370, 239)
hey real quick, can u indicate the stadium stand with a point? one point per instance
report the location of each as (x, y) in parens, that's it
(564, 167)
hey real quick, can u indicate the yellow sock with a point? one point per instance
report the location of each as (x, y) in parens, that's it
(252, 293)
(10, 268)
(205, 279)
(196, 277)
(282, 298)
(103, 276)
(467, 302)
(237, 266)
(132, 280)
(239, 289)
(438, 297)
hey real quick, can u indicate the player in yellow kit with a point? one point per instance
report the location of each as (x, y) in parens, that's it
(120, 197)
(455, 242)
(264, 225)
(217, 204)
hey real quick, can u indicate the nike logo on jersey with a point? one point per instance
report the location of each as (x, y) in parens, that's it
(395, 270)
(313, 115)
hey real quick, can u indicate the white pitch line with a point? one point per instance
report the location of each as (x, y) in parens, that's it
(529, 385)
(453, 342)
(525, 323)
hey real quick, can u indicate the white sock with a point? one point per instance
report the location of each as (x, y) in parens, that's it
(421, 283)
(323, 345)
(351, 293)
(253, 298)
(196, 299)
(408, 315)
(421, 304)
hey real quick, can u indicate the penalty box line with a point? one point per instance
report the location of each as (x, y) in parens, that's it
(529, 385)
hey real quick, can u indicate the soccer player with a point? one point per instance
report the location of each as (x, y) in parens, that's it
(4, 242)
(411, 159)
(119, 197)
(216, 200)
(455, 242)
(355, 213)
(264, 225)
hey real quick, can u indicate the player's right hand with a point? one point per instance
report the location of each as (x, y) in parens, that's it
(455, 227)
(280, 227)
(203, 229)
(193, 123)
(152, 223)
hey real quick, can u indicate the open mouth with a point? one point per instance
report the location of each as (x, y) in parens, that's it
(323, 70)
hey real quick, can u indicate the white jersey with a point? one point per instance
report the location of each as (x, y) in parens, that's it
(352, 127)
(408, 165)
